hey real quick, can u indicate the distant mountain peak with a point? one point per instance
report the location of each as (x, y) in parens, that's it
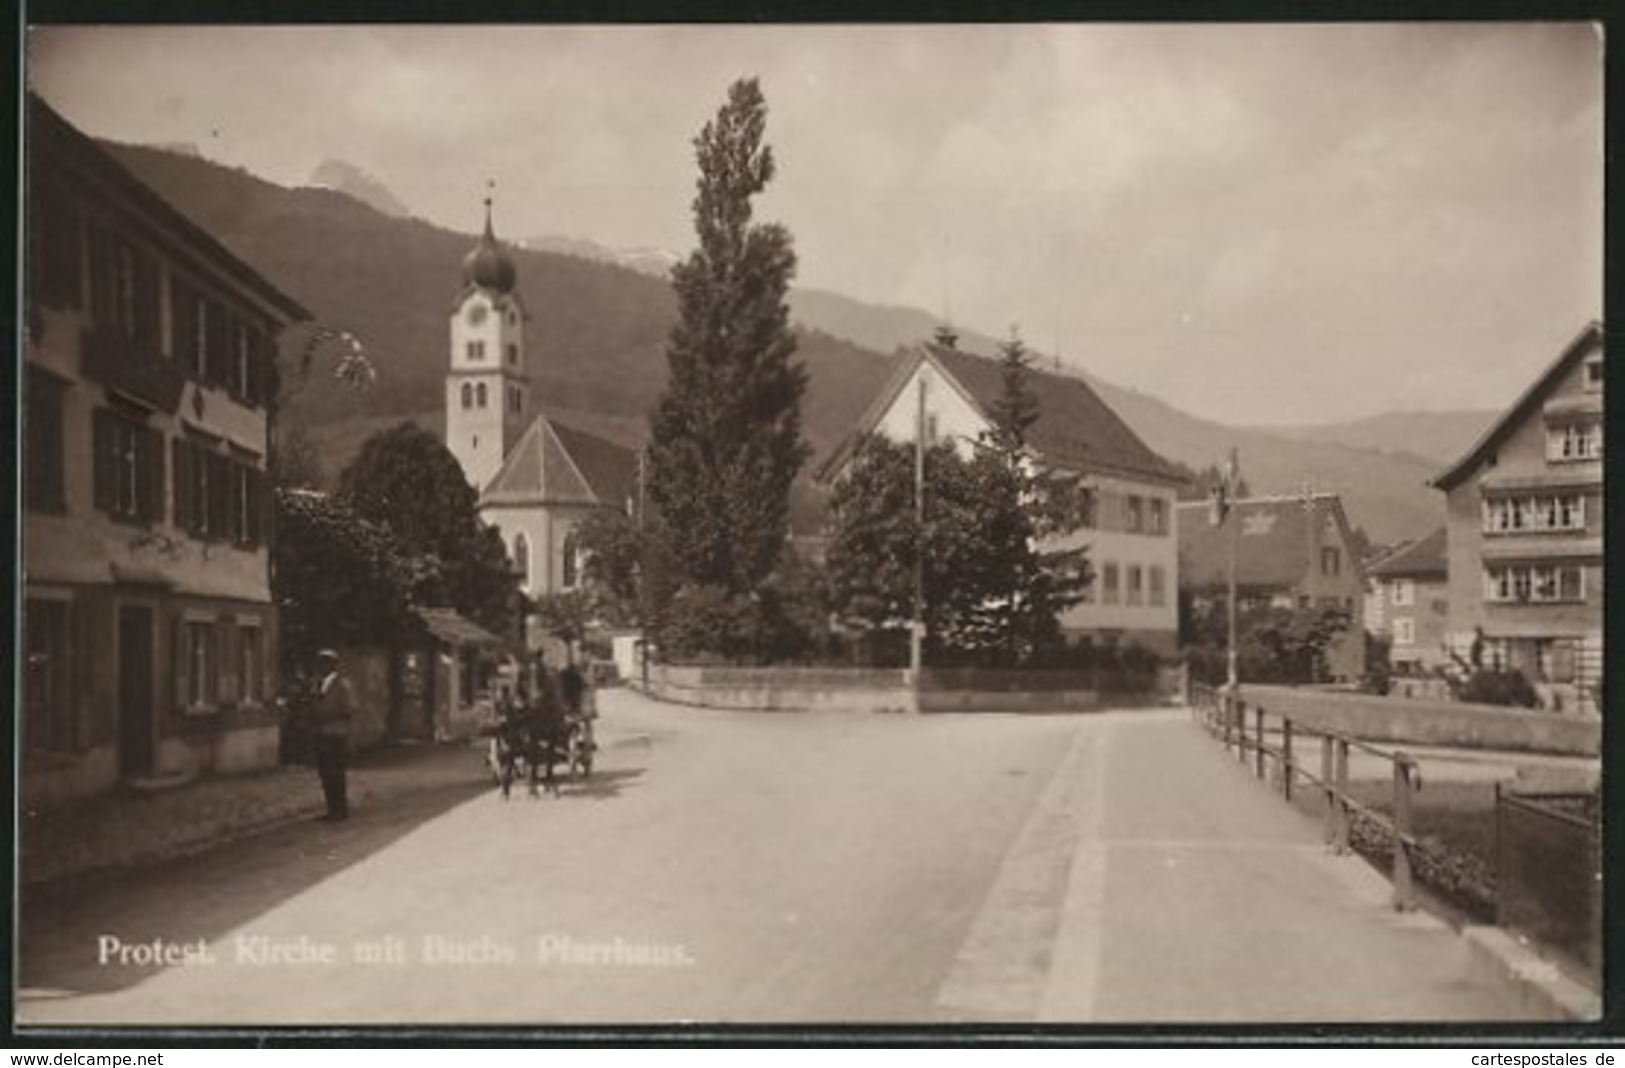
(347, 178)
(647, 260)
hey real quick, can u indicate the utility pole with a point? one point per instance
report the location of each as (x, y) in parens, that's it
(917, 631)
(1231, 479)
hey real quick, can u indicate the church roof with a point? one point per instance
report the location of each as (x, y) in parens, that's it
(488, 265)
(553, 463)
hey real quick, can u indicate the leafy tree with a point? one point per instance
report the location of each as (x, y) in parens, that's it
(338, 580)
(405, 479)
(726, 435)
(612, 550)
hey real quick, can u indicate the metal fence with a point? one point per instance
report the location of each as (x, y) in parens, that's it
(1276, 748)
(1549, 871)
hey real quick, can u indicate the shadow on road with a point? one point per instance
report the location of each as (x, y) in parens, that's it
(601, 786)
(96, 934)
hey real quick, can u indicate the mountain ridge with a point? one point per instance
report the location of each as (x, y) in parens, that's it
(597, 354)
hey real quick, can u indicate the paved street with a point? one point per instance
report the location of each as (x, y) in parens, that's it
(726, 867)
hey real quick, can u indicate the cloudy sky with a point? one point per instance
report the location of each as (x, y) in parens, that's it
(1257, 224)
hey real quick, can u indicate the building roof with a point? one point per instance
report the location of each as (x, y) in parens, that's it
(46, 127)
(1273, 547)
(1423, 558)
(557, 464)
(1588, 340)
(1075, 429)
(453, 629)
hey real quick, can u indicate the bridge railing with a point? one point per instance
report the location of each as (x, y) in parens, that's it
(1274, 748)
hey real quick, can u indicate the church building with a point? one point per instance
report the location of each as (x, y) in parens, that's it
(537, 478)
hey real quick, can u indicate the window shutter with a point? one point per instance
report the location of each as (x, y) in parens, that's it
(146, 302)
(219, 502)
(182, 457)
(101, 277)
(183, 322)
(181, 660)
(151, 459)
(251, 384)
(225, 692)
(218, 335)
(256, 504)
(101, 447)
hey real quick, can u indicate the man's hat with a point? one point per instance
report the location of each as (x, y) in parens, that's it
(327, 654)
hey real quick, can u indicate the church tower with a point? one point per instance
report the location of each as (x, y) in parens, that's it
(486, 384)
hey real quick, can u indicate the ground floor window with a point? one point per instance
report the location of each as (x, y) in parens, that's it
(250, 657)
(198, 649)
(48, 721)
(1404, 632)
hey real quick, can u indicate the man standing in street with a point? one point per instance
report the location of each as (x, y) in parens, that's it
(335, 706)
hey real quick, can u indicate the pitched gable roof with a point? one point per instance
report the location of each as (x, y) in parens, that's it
(557, 464)
(1273, 547)
(1074, 429)
(47, 129)
(1589, 340)
(1418, 559)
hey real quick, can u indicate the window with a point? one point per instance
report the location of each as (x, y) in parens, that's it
(1402, 593)
(1574, 441)
(479, 395)
(129, 467)
(124, 289)
(217, 497)
(43, 462)
(1158, 515)
(1133, 515)
(245, 363)
(1135, 589)
(1331, 562)
(516, 401)
(1540, 583)
(250, 655)
(570, 562)
(244, 528)
(201, 668)
(57, 231)
(1108, 584)
(521, 558)
(48, 677)
(513, 353)
(1405, 631)
(1510, 515)
(468, 395)
(1159, 586)
(1086, 508)
(931, 427)
(476, 350)
(1593, 374)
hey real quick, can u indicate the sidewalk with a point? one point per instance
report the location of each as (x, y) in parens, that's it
(124, 828)
(1197, 895)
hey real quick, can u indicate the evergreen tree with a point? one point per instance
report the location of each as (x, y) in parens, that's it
(1031, 587)
(726, 436)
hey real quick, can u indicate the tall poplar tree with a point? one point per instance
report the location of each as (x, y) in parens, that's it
(726, 436)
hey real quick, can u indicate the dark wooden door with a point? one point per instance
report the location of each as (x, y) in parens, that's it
(135, 690)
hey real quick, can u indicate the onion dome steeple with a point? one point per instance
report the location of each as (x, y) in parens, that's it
(489, 266)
